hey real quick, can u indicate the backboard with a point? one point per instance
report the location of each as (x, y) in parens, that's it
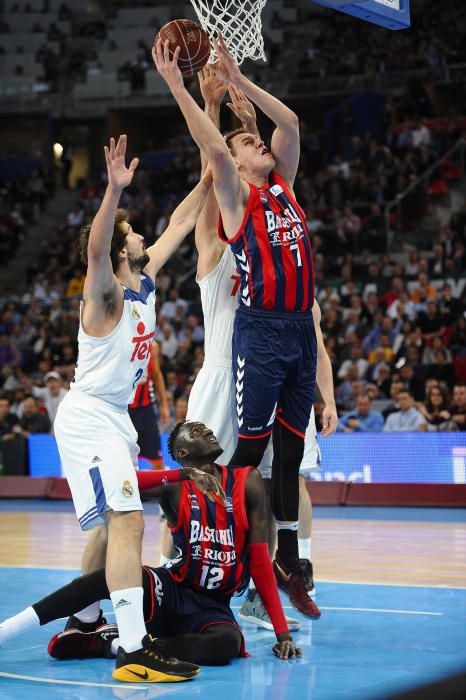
(392, 14)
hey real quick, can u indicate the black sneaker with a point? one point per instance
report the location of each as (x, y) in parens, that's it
(74, 624)
(74, 644)
(151, 664)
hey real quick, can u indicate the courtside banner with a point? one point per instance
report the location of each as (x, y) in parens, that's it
(364, 458)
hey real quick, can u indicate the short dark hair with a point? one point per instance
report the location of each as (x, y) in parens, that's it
(118, 239)
(231, 135)
(173, 439)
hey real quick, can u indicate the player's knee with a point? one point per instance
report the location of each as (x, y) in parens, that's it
(249, 451)
(226, 643)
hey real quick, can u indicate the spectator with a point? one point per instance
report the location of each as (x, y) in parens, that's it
(458, 407)
(8, 420)
(395, 387)
(356, 358)
(430, 322)
(169, 343)
(363, 419)
(435, 409)
(408, 418)
(52, 394)
(33, 420)
(168, 309)
(412, 381)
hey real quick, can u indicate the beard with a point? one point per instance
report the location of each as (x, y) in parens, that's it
(138, 263)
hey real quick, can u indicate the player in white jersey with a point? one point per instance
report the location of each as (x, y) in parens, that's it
(95, 436)
(212, 398)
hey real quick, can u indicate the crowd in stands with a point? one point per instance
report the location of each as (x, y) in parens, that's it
(341, 47)
(394, 325)
(335, 44)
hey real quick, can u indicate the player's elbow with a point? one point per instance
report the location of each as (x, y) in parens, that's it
(293, 121)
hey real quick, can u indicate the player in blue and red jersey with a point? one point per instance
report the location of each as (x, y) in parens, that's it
(142, 409)
(218, 519)
(274, 341)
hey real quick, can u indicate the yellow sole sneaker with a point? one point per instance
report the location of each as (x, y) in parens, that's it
(135, 673)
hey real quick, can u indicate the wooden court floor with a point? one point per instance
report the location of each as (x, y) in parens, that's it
(355, 545)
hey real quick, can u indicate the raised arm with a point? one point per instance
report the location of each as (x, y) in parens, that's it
(260, 566)
(102, 294)
(182, 222)
(230, 192)
(208, 244)
(324, 377)
(285, 140)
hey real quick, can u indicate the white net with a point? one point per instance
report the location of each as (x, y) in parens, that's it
(239, 22)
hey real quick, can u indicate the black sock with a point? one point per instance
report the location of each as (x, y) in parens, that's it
(73, 597)
(288, 551)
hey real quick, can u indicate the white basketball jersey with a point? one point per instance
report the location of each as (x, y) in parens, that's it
(219, 298)
(111, 367)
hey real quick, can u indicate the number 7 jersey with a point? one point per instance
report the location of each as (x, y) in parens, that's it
(273, 251)
(211, 539)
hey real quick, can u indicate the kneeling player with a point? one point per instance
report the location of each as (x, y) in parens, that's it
(220, 536)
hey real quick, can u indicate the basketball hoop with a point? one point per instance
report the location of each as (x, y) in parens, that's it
(238, 21)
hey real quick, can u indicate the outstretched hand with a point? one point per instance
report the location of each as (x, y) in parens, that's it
(119, 176)
(213, 88)
(166, 66)
(242, 108)
(226, 67)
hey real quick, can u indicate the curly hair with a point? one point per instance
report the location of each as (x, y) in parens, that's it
(173, 437)
(118, 239)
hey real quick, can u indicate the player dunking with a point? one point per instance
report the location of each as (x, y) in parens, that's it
(274, 341)
(95, 437)
(212, 396)
(221, 541)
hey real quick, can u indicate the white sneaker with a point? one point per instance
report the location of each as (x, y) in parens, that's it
(255, 613)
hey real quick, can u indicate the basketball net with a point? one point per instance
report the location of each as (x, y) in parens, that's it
(239, 22)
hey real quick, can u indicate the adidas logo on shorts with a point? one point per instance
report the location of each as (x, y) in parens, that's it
(96, 459)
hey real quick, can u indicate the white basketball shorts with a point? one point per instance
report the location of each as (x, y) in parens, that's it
(211, 402)
(98, 451)
(311, 457)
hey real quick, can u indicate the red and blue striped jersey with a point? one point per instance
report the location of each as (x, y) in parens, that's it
(145, 392)
(273, 251)
(212, 540)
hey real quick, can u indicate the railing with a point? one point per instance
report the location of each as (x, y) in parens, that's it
(422, 180)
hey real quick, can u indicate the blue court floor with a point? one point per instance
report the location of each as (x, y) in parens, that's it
(372, 640)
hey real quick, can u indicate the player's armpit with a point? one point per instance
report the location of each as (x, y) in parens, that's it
(231, 192)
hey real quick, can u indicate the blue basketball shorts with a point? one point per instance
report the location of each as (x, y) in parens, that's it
(274, 366)
(172, 608)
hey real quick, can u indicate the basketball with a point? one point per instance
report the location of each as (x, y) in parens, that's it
(193, 42)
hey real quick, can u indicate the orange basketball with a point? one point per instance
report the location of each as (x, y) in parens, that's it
(193, 42)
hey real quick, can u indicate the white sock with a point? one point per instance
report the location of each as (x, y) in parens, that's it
(127, 604)
(18, 624)
(89, 614)
(304, 547)
(114, 646)
(164, 560)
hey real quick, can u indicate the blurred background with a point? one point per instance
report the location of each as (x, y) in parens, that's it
(381, 180)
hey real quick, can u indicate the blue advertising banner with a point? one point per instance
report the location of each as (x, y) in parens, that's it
(364, 458)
